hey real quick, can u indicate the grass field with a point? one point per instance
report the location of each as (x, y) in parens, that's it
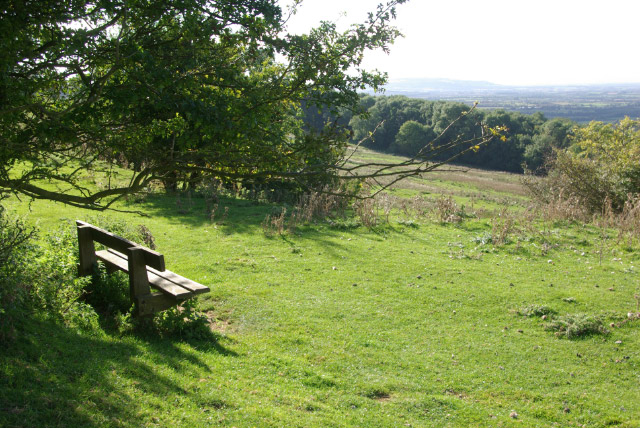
(411, 323)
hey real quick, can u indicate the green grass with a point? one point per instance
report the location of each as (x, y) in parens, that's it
(396, 326)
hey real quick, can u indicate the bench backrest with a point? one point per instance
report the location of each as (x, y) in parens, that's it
(151, 258)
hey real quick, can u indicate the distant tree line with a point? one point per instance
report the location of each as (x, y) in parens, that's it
(402, 125)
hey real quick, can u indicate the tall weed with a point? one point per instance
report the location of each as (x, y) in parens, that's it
(503, 225)
(366, 212)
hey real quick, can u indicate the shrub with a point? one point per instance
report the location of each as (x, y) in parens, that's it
(502, 226)
(585, 180)
(14, 236)
(42, 278)
(321, 205)
(275, 224)
(15, 247)
(600, 169)
(56, 291)
(366, 211)
(108, 293)
(183, 322)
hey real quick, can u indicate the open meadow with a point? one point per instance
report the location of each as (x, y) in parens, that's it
(450, 301)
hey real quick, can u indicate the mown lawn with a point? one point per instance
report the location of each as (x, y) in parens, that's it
(406, 324)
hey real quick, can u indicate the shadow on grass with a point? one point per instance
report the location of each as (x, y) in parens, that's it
(232, 215)
(245, 217)
(52, 376)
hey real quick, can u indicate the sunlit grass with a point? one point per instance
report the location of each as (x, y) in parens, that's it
(406, 324)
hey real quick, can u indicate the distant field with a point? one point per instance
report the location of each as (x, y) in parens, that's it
(581, 104)
(484, 188)
(413, 322)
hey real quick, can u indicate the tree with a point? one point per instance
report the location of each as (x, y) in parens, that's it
(552, 134)
(411, 137)
(385, 116)
(615, 147)
(175, 90)
(601, 170)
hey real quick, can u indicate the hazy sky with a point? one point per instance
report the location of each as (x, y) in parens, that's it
(523, 42)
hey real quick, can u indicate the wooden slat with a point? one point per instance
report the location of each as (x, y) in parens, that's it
(117, 260)
(169, 287)
(151, 258)
(120, 261)
(181, 281)
(190, 285)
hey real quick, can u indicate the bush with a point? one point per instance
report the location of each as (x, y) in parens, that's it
(599, 171)
(40, 278)
(585, 180)
(184, 322)
(15, 247)
(14, 236)
(52, 270)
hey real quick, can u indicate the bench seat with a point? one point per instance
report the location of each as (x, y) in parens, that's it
(146, 269)
(166, 281)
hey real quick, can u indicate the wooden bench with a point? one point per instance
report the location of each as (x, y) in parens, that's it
(145, 268)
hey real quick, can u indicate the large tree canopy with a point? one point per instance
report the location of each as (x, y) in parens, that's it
(172, 89)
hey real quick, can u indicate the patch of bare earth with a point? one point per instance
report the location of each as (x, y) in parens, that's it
(218, 324)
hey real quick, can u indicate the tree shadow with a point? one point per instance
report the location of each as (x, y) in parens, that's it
(53, 376)
(246, 215)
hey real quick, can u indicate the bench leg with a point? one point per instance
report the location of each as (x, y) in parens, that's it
(88, 258)
(110, 268)
(151, 303)
(138, 279)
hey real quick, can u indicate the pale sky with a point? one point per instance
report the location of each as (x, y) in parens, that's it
(519, 42)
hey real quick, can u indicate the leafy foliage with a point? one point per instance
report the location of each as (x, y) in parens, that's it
(175, 91)
(15, 237)
(552, 134)
(42, 278)
(183, 322)
(600, 170)
(14, 234)
(404, 126)
(615, 147)
(411, 137)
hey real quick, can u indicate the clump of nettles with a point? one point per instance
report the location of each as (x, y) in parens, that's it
(536, 311)
(577, 325)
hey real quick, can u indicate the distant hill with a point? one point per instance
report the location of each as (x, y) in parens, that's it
(426, 85)
(439, 85)
(581, 103)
